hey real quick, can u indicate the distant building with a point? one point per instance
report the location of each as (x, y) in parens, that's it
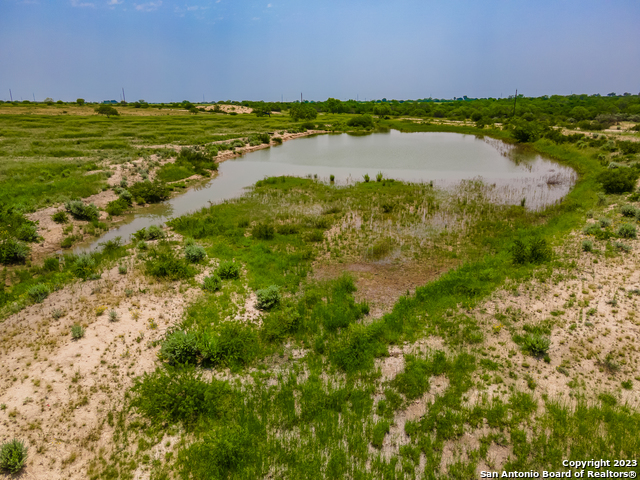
(108, 102)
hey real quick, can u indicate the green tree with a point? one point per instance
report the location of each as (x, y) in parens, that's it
(107, 110)
(302, 111)
(80, 101)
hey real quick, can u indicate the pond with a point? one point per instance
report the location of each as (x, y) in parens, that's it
(445, 159)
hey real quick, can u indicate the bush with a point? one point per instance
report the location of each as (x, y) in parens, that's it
(152, 233)
(165, 264)
(149, 192)
(380, 429)
(364, 121)
(281, 323)
(13, 456)
(60, 217)
(84, 266)
(302, 111)
(628, 211)
(604, 222)
(314, 236)
(77, 332)
(180, 348)
(288, 229)
(80, 211)
(263, 231)
(618, 180)
(233, 344)
(13, 251)
(107, 110)
(536, 344)
(51, 264)
(212, 283)
(587, 246)
(626, 230)
(267, 298)
(117, 207)
(228, 270)
(201, 162)
(538, 251)
(194, 253)
(38, 292)
(259, 139)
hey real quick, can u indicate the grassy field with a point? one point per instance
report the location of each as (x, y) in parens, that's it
(286, 363)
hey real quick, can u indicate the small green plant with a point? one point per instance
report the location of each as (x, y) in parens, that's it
(379, 177)
(180, 348)
(538, 251)
(536, 344)
(228, 270)
(212, 283)
(379, 431)
(314, 236)
(587, 246)
(60, 217)
(38, 292)
(623, 247)
(609, 363)
(627, 385)
(77, 332)
(263, 231)
(628, 211)
(113, 316)
(332, 178)
(267, 298)
(366, 177)
(13, 456)
(194, 253)
(122, 269)
(52, 264)
(604, 222)
(626, 230)
(80, 211)
(57, 313)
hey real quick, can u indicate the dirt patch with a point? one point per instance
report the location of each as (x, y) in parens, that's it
(59, 392)
(229, 108)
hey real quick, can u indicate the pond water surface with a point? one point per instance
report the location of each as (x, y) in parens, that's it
(442, 158)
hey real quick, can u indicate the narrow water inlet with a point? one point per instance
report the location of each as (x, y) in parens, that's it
(508, 173)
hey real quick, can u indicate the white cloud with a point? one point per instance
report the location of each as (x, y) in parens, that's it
(148, 7)
(192, 8)
(268, 5)
(78, 3)
(114, 2)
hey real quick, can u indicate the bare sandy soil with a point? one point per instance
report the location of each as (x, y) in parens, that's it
(230, 108)
(57, 393)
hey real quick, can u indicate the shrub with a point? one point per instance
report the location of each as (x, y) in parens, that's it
(622, 246)
(379, 177)
(194, 253)
(332, 178)
(27, 233)
(628, 211)
(587, 246)
(113, 316)
(364, 121)
(52, 264)
(122, 269)
(288, 229)
(618, 180)
(277, 140)
(149, 192)
(84, 266)
(60, 217)
(537, 251)
(117, 207)
(314, 236)
(212, 283)
(536, 344)
(267, 298)
(366, 177)
(152, 233)
(626, 230)
(280, 323)
(111, 245)
(77, 332)
(233, 344)
(81, 211)
(605, 222)
(107, 110)
(13, 251)
(165, 264)
(228, 270)
(259, 139)
(263, 231)
(13, 456)
(201, 162)
(302, 111)
(180, 348)
(38, 292)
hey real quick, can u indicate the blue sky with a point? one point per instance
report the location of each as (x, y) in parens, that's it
(166, 50)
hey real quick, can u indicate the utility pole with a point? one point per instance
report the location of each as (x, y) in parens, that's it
(124, 99)
(300, 97)
(11, 95)
(515, 99)
(34, 97)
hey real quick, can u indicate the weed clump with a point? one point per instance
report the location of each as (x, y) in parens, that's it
(38, 292)
(154, 232)
(180, 348)
(267, 298)
(84, 266)
(13, 251)
(77, 332)
(165, 264)
(628, 211)
(81, 211)
(212, 283)
(13, 456)
(149, 192)
(60, 217)
(536, 344)
(228, 270)
(263, 231)
(537, 251)
(587, 246)
(194, 253)
(626, 230)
